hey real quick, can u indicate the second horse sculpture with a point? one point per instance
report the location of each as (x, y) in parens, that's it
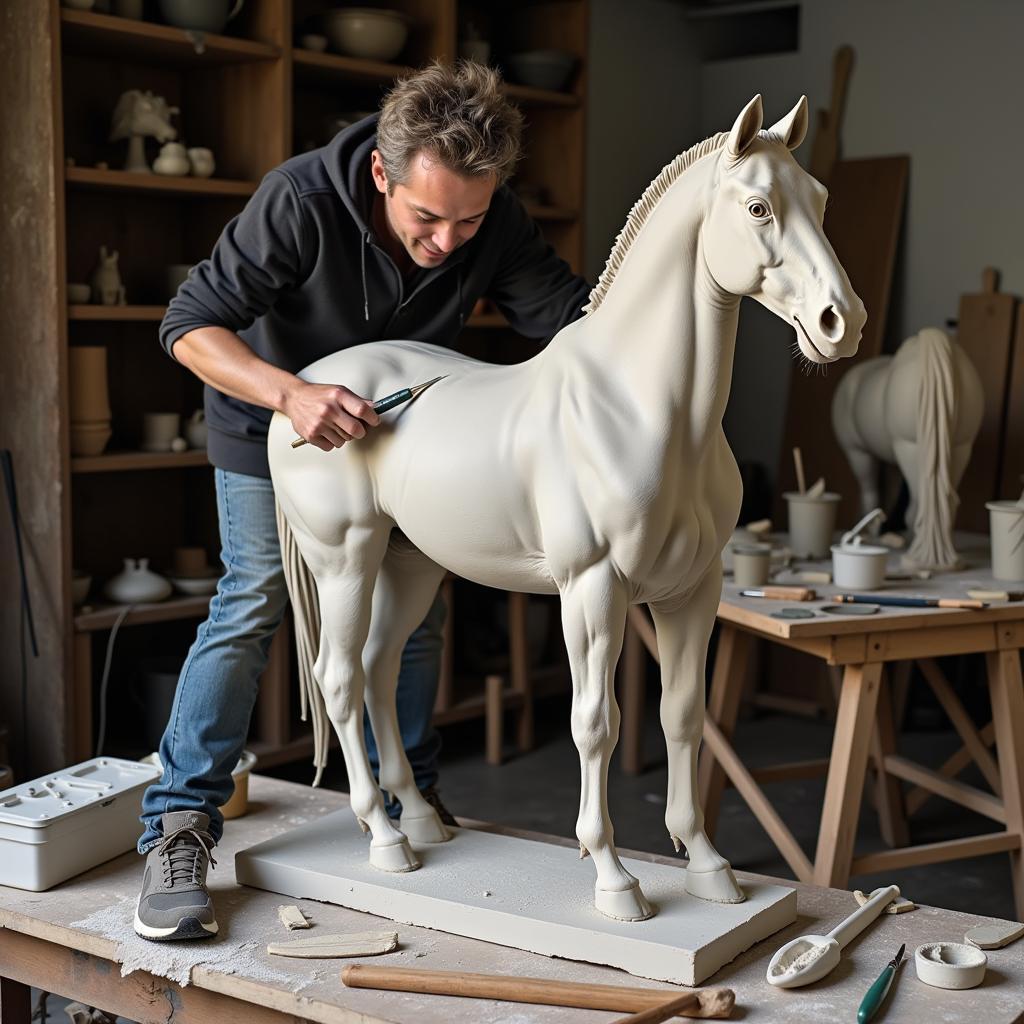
(597, 470)
(920, 408)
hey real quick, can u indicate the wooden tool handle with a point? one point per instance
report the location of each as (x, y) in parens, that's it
(711, 1002)
(788, 593)
(657, 1014)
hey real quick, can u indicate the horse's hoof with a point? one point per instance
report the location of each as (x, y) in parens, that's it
(718, 886)
(427, 829)
(623, 904)
(394, 857)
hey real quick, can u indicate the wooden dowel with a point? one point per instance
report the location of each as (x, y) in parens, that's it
(798, 462)
(657, 1014)
(711, 1002)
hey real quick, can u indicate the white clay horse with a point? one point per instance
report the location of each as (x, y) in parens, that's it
(597, 470)
(139, 115)
(920, 409)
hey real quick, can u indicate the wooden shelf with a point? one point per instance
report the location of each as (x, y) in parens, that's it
(94, 177)
(121, 461)
(528, 96)
(97, 312)
(94, 617)
(330, 67)
(551, 212)
(104, 35)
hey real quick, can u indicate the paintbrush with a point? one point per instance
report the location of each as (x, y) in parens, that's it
(907, 602)
(388, 402)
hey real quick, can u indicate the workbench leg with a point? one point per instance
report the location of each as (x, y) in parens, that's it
(1007, 689)
(632, 693)
(15, 1002)
(723, 706)
(892, 816)
(855, 724)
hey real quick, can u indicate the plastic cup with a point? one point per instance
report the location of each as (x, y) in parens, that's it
(812, 522)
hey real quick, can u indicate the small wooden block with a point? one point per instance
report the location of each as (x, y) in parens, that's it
(898, 905)
(332, 946)
(995, 936)
(292, 918)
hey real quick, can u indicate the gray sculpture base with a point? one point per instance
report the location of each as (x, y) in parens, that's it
(523, 893)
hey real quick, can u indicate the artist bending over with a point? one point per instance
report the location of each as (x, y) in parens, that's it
(393, 230)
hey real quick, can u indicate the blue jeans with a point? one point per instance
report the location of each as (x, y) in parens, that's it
(217, 687)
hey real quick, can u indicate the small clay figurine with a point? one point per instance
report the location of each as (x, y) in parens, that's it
(107, 288)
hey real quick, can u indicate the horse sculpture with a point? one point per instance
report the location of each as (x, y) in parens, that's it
(138, 115)
(921, 409)
(597, 470)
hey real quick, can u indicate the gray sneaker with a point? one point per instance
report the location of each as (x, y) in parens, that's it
(174, 903)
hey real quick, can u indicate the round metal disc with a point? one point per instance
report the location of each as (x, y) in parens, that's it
(793, 613)
(851, 609)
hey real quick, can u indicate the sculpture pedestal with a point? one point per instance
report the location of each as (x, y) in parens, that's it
(523, 893)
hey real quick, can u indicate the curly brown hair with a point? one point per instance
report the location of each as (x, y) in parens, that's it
(455, 113)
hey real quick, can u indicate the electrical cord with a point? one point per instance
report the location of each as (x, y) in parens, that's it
(102, 730)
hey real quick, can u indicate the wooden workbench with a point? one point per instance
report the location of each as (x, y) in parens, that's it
(73, 940)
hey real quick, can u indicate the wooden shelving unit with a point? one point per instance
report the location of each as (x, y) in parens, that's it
(254, 98)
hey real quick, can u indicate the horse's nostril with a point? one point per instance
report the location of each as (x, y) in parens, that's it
(831, 323)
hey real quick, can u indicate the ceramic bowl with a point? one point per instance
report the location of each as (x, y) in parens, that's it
(542, 69)
(859, 566)
(365, 32)
(196, 586)
(79, 294)
(954, 965)
(313, 41)
(80, 584)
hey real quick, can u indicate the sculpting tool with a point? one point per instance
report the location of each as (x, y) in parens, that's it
(388, 402)
(875, 996)
(798, 465)
(782, 593)
(996, 595)
(908, 602)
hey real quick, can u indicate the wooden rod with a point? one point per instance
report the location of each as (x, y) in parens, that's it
(657, 1014)
(711, 1002)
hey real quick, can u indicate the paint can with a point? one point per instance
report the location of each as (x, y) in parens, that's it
(812, 521)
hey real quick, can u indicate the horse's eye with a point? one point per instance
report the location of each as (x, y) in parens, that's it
(758, 209)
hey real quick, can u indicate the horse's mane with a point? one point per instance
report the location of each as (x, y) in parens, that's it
(642, 210)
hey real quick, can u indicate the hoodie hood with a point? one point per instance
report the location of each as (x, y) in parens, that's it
(346, 159)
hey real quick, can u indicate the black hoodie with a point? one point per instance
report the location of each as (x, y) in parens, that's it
(299, 274)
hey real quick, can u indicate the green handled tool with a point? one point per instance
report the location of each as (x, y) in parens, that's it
(388, 402)
(875, 996)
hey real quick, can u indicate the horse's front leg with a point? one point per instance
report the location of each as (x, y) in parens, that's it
(683, 633)
(593, 618)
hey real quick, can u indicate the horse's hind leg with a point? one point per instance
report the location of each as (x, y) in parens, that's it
(593, 617)
(406, 588)
(345, 576)
(683, 634)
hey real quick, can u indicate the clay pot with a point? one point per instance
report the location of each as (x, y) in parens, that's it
(195, 429)
(1006, 521)
(172, 161)
(159, 429)
(200, 15)
(201, 162)
(137, 584)
(812, 521)
(87, 369)
(89, 438)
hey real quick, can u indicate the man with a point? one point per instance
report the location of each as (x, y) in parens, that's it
(393, 230)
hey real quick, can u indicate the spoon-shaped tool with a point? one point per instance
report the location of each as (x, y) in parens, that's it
(810, 957)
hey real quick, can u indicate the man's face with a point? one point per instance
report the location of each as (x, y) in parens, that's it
(435, 210)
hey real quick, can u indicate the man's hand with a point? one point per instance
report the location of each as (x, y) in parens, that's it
(328, 415)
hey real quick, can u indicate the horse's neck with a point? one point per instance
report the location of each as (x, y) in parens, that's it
(664, 331)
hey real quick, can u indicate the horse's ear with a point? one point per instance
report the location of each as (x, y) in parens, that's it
(793, 127)
(745, 130)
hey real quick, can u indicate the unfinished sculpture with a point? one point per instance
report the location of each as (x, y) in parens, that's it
(597, 470)
(920, 409)
(139, 115)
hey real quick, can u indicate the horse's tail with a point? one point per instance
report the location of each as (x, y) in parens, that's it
(937, 499)
(306, 613)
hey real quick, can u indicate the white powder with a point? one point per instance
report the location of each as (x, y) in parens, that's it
(799, 958)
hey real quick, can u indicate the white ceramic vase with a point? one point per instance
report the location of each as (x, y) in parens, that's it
(137, 584)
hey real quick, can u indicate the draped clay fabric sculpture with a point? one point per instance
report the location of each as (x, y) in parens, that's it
(920, 409)
(138, 115)
(598, 470)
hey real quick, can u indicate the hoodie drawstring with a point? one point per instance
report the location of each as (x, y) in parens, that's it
(362, 263)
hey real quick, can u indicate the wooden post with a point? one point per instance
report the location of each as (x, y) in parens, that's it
(495, 713)
(519, 667)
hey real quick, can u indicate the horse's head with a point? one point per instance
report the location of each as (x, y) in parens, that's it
(763, 236)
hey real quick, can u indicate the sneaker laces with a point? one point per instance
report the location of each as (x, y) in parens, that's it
(181, 857)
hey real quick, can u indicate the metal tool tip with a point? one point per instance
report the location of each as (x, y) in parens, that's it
(899, 956)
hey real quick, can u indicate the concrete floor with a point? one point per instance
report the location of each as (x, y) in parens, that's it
(540, 791)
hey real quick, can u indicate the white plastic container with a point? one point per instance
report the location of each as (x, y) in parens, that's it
(66, 823)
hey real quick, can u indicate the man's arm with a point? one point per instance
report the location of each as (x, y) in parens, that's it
(326, 415)
(533, 286)
(258, 255)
